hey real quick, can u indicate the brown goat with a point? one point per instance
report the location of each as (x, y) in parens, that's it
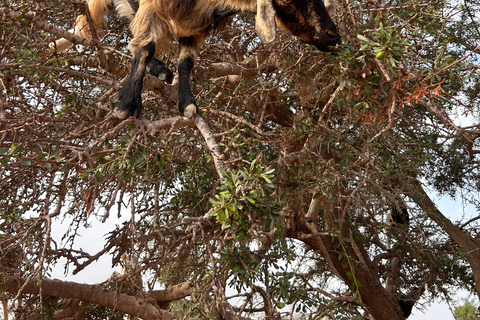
(155, 23)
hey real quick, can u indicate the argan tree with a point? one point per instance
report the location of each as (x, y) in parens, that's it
(273, 202)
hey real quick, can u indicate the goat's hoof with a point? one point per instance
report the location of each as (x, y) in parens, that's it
(120, 114)
(190, 111)
(157, 69)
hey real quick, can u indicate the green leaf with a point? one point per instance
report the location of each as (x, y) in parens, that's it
(16, 149)
(253, 164)
(363, 38)
(26, 162)
(365, 46)
(244, 175)
(358, 105)
(4, 161)
(269, 171)
(46, 165)
(272, 224)
(216, 203)
(54, 153)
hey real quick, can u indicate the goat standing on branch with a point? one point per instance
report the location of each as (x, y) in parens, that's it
(155, 23)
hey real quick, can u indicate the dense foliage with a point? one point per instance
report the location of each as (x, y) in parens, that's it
(275, 202)
(468, 311)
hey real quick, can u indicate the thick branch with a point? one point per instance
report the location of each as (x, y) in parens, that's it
(337, 252)
(153, 127)
(380, 303)
(90, 293)
(176, 292)
(68, 311)
(211, 144)
(418, 194)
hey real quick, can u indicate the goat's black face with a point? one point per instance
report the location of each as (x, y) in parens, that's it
(307, 20)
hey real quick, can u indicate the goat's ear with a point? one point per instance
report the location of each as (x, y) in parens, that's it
(265, 21)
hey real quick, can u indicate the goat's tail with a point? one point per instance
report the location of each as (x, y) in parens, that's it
(124, 8)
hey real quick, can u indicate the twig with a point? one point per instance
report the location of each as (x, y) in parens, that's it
(154, 126)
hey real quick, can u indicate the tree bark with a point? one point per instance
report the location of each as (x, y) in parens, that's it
(5, 308)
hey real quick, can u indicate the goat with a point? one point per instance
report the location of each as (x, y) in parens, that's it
(81, 29)
(155, 23)
(398, 218)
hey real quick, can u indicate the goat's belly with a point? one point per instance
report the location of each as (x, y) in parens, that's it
(180, 30)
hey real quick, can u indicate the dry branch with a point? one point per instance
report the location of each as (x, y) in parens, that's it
(154, 126)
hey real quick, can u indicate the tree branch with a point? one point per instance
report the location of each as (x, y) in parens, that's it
(154, 126)
(417, 193)
(68, 311)
(175, 292)
(90, 293)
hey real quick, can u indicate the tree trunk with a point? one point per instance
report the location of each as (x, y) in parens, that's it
(472, 249)
(380, 303)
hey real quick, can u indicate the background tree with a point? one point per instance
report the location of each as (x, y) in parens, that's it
(275, 202)
(468, 311)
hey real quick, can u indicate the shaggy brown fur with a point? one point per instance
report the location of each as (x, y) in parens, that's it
(161, 21)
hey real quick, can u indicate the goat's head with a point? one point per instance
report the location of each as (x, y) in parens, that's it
(306, 19)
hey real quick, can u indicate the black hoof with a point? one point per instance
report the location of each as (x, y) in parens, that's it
(129, 102)
(157, 69)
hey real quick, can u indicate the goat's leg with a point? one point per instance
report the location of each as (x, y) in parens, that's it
(81, 29)
(130, 96)
(157, 69)
(186, 60)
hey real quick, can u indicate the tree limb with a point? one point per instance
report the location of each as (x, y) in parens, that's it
(90, 293)
(175, 292)
(417, 193)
